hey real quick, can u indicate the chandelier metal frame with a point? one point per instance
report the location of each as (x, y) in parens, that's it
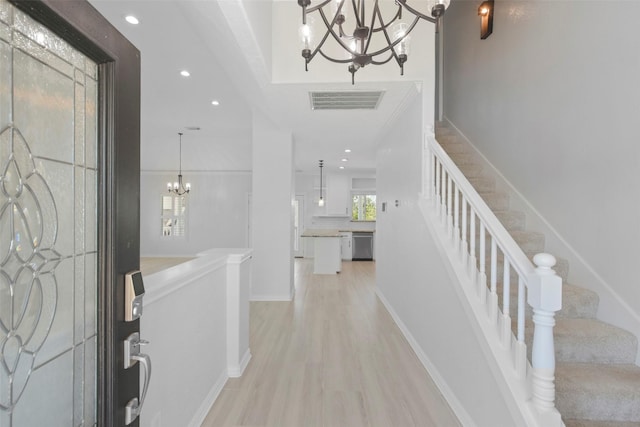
(360, 56)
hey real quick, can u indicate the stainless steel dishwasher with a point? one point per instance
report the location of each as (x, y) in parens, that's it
(362, 246)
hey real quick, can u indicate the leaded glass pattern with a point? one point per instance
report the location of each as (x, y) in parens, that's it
(48, 227)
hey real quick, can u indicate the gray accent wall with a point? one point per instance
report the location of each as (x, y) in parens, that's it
(552, 100)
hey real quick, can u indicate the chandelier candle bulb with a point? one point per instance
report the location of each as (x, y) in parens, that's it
(305, 36)
(401, 33)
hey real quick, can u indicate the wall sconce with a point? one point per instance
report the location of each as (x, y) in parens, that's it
(486, 18)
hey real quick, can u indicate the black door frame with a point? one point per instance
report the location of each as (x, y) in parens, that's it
(80, 24)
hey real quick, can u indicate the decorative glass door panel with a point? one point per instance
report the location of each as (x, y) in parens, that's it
(48, 227)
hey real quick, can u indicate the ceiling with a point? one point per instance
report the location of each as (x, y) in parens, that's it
(245, 54)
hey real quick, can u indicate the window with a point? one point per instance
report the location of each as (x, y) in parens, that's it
(364, 207)
(173, 215)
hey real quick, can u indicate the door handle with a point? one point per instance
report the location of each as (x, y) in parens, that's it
(131, 356)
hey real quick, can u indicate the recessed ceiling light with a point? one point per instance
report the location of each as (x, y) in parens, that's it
(341, 167)
(347, 150)
(215, 102)
(345, 160)
(185, 73)
(131, 19)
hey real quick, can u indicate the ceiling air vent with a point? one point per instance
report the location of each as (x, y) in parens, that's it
(351, 100)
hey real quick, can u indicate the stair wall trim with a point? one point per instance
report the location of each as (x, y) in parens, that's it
(613, 308)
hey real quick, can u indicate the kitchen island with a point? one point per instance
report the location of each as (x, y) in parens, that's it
(326, 248)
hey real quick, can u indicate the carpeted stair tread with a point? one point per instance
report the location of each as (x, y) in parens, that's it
(471, 169)
(561, 268)
(483, 184)
(529, 241)
(578, 302)
(496, 201)
(512, 220)
(451, 144)
(590, 341)
(463, 158)
(591, 423)
(598, 391)
(444, 130)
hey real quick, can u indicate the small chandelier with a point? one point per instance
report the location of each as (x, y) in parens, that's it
(177, 187)
(321, 200)
(393, 35)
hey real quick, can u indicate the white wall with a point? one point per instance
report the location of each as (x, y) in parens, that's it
(272, 213)
(551, 99)
(413, 278)
(185, 323)
(217, 212)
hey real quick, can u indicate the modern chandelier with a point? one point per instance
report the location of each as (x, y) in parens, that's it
(363, 35)
(177, 187)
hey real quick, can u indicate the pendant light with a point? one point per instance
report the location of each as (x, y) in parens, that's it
(177, 187)
(321, 201)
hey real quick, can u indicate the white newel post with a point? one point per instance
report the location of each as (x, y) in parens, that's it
(545, 297)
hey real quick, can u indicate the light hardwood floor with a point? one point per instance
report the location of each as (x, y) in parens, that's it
(332, 357)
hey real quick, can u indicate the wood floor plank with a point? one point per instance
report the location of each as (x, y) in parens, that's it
(344, 408)
(331, 357)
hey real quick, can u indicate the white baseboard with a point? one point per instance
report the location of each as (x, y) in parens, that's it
(442, 385)
(257, 298)
(237, 371)
(209, 400)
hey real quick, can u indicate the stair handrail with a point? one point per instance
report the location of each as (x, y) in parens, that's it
(458, 206)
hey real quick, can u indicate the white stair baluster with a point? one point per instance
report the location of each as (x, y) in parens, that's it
(493, 296)
(521, 347)
(473, 268)
(426, 170)
(506, 305)
(449, 205)
(436, 199)
(456, 217)
(482, 277)
(433, 173)
(443, 187)
(464, 248)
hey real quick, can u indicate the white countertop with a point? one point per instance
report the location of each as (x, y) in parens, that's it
(321, 233)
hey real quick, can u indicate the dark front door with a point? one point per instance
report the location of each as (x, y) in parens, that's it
(69, 214)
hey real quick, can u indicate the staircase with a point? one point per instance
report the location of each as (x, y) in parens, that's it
(597, 382)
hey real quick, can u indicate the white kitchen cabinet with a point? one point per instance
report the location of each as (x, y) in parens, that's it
(345, 239)
(338, 189)
(326, 255)
(326, 250)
